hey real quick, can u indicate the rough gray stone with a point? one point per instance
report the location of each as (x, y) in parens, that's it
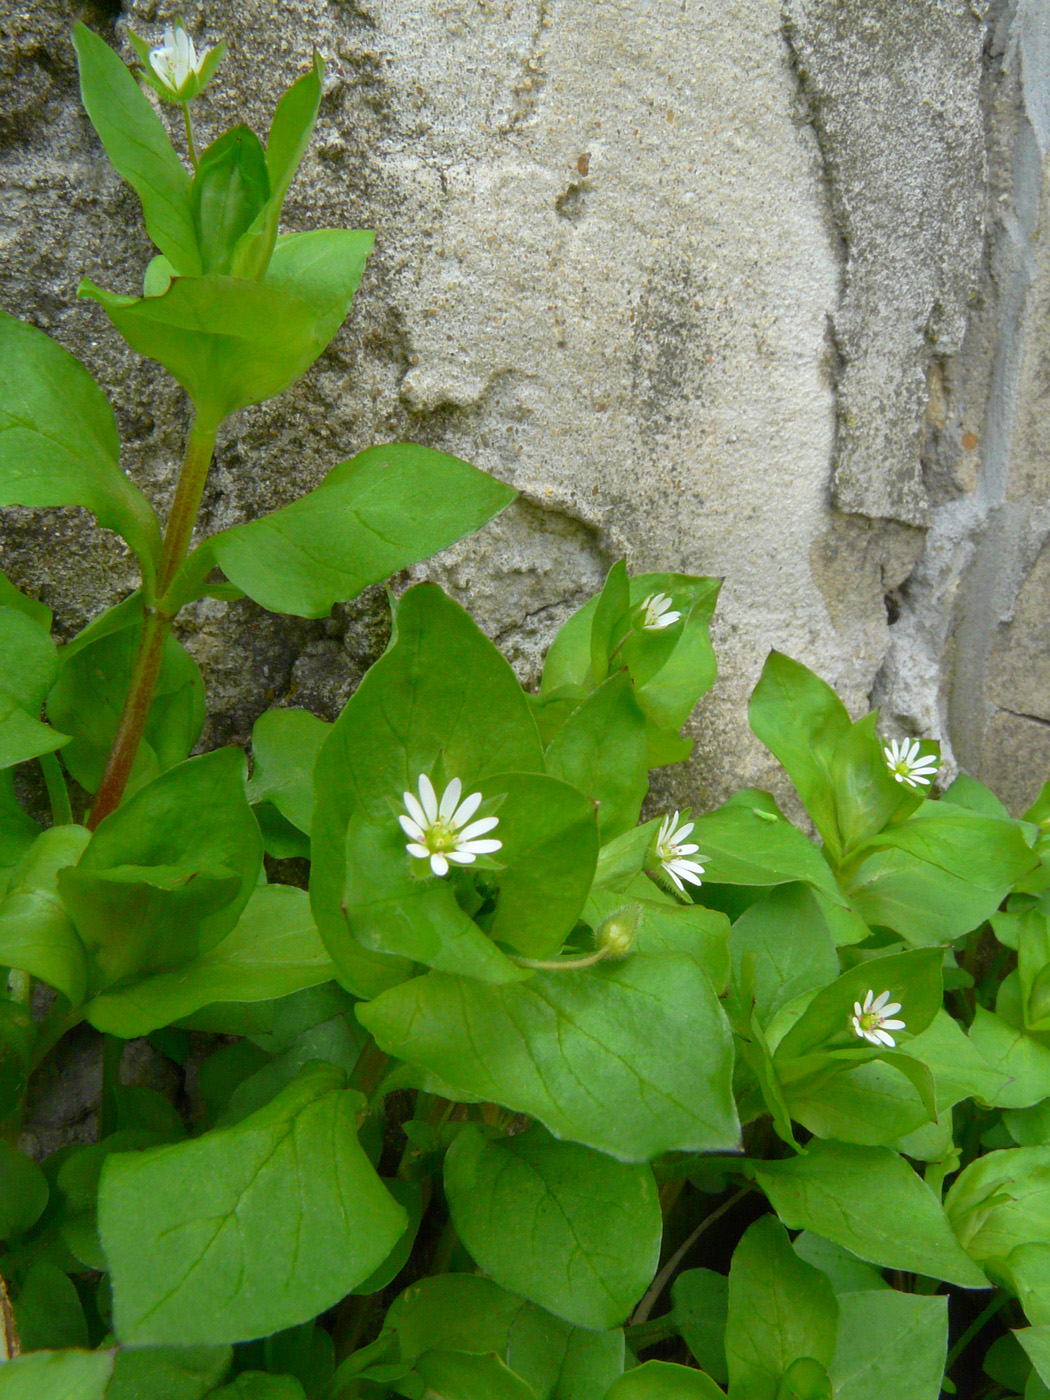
(894, 88)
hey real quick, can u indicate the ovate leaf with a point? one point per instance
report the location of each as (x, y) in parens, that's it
(384, 509)
(37, 934)
(58, 439)
(633, 1058)
(56, 1375)
(574, 1231)
(139, 149)
(890, 1343)
(870, 1201)
(216, 1240)
(663, 1380)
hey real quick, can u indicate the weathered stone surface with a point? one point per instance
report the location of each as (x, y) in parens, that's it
(895, 94)
(610, 248)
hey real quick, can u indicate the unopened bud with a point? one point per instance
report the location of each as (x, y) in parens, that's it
(617, 934)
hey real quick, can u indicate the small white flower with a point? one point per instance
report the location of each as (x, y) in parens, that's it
(657, 616)
(438, 829)
(176, 60)
(907, 765)
(672, 853)
(872, 1020)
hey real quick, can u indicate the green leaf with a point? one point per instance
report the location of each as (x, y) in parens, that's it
(890, 1343)
(867, 797)
(940, 874)
(959, 1068)
(453, 1312)
(780, 1309)
(273, 950)
(371, 516)
(48, 1311)
(58, 440)
(30, 660)
(1036, 1342)
(139, 149)
(23, 1192)
(168, 1373)
(1023, 1060)
(550, 849)
(847, 1273)
(663, 1380)
(21, 736)
(418, 705)
(912, 978)
(801, 720)
(669, 927)
(562, 1362)
(215, 1241)
(873, 1104)
(611, 619)
(88, 698)
(228, 342)
(700, 1305)
(230, 188)
(259, 1385)
(36, 932)
(805, 1379)
(601, 749)
(1000, 1201)
(576, 1232)
(285, 745)
(787, 934)
(290, 130)
(633, 1059)
(740, 845)
(166, 876)
(35, 611)
(868, 1200)
(56, 1375)
(18, 831)
(452, 1375)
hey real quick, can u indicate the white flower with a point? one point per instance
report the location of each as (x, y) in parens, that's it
(871, 1021)
(671, 853)
(438, 829)
(907, 765)
(176, 60)
(657, 616)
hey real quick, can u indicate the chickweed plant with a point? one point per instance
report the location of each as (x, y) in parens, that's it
(525, 1097)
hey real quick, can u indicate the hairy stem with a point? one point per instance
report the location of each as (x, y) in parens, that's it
(155, 628)
(663, 1278)
(190, 143)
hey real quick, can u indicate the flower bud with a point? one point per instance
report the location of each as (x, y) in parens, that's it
(617, 934)
(174, 69)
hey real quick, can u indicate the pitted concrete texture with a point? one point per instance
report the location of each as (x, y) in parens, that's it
(613, 241)
(894, 90)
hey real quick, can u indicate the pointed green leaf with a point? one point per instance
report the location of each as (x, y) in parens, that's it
(215, 1240)
(601, 750)
(23, 1192)
(139, 148)
(384, 509)
(58, 440)
(890, 1343)
(230, 187)
(868, 1200)
(632, 1058)
(700, 1305)
(56, 1375)
(663, 1380)
(166, 876)
(285, 745)
(36, 611)
(168, 1373)
(780, 1309)
(743, 843)
(1000, 1201)
(273, 950)
(574, 1231)
(794, 953)
(36, 932)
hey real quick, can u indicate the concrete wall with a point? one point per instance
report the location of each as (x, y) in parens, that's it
(738, 287)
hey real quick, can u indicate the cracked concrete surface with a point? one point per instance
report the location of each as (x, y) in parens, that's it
(715, 286)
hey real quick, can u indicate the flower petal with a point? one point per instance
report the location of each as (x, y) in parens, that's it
(891, 1008)
(477, 828)
(481, 848)
(868, 999)
(428, 797)
(466, 809)
(894, 1025)
(420, 852)
(438, 864)
(415, 809)
(411, 828)
(880, 1001)
(461, 856)
(881, 1036)
(449, 798)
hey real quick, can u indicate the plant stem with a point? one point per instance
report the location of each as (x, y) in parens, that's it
(976, 1326)
(156, 626)
(561, 964)
(663, 1278)
(647, 1334)
(190, 145)
(57, 792)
